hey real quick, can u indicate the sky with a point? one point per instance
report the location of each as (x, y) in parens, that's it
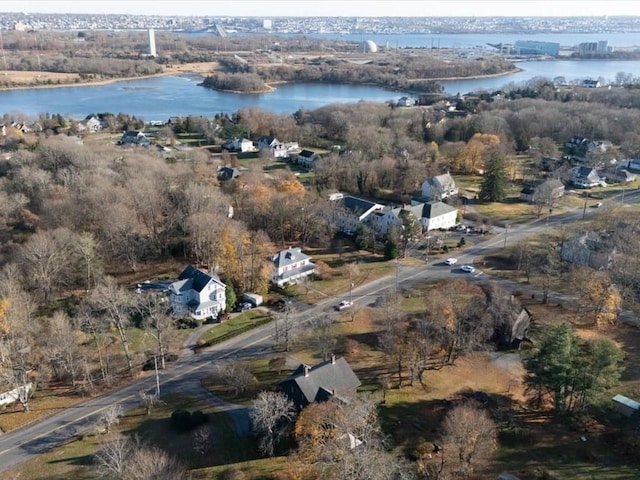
(324, 8)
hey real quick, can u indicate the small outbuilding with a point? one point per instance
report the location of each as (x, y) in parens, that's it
(625, 405)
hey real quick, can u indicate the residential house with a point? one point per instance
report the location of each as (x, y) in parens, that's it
(591, 83)
(134, 137)
(93, 124)
(228, 173)
(586, 177)
(238, 145)
(306, 158)
(625, 405)
(579, 147)
(438, 215)
(349, 211)
(291, 266)
(276, 148)
(333, 378)
(621, 175)
(431, 215)
(405, 102)
(592, 249)
(3, 130)
(197, 294)
(531, 192)
(632, 165)
(439, 187)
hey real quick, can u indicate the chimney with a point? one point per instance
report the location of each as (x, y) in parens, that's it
(306, 370)
(333, 359)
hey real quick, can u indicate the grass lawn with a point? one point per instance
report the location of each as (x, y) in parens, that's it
(334, 274)
(512, 210)
(266, 379)
(231, 328)
(74, 460)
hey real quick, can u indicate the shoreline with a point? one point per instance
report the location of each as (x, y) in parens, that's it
(195, 71)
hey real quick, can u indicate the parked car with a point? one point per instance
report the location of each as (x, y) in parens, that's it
(343, 304)
(244, 306)
(468, 268)
(451, 261)
(597, 205)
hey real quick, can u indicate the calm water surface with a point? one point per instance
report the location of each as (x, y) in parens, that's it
(162, 97)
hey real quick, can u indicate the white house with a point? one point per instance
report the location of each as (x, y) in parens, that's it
(439, 187)
(348, 212)
(197, 294)
(239, 145)
(431, 215)
(291, 266)
(133, 137)
(275, 147)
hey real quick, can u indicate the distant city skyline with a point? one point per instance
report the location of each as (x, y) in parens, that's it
(328, 8)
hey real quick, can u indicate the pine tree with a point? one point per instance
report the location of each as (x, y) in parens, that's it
(494, 185)
(230, 295)
(391, 244)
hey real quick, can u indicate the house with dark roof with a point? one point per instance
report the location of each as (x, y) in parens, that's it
(331, 379)
(134, 137)
(349, 211)
(593, 249)
(238, 145)
(291, 266)
(228, 173)
(197, 294)
(586, 177)
(439, 187)
(306, 158)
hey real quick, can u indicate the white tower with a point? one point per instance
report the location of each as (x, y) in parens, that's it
(152, 42)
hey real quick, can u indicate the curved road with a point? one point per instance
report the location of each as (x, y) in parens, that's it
(183, 377)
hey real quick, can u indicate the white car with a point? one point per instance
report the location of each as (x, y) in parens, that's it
(467, 268)
(343, 304)
(597, 205)
(451, 261)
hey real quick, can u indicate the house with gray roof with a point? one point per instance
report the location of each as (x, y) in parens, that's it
(333, 378)
(134, 137)
(291, 266)
(593, 249)
(306, 158)
(197, 294)
(349, 211)
(439, 187)
(431, 215)
(586, 177)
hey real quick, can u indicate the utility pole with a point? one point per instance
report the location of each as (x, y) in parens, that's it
(155, 363)
(506, 232)
(584, 209)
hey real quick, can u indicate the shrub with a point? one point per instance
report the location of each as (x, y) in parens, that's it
(233, 473)
(184, 421)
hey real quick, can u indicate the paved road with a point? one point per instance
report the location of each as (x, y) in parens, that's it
(183, 376)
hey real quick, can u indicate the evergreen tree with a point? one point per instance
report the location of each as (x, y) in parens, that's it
(571, 370)
(362, 237)
(391, 250)
(494, 185)
(230, 294)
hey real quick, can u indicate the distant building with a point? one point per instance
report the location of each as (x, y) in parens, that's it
(625, 405)
(534, 47)
(592, 249)
(587, 48)
(152, 42)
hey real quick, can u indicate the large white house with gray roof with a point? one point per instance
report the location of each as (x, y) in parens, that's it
(349, 211)
(431, 215)
(439, 187)
(291, 266)
(197, 294)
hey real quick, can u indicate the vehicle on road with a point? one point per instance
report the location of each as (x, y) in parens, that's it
(451, 261)
(597, 205)
(468, 268)
(344, 304)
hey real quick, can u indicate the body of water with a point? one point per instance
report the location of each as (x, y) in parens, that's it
(474, 40)
(162, 97)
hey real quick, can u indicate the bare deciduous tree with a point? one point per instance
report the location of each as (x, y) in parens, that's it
(271, 415)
